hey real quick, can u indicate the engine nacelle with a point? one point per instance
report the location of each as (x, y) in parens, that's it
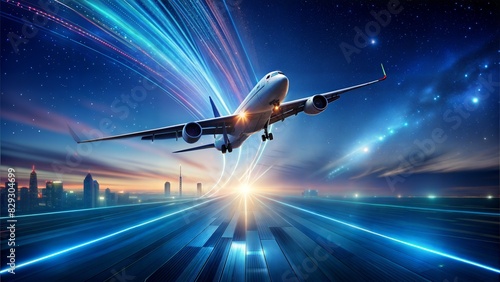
(315, 105)
(192, 132)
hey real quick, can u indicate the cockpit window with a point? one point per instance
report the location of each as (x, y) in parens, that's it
(276, 73)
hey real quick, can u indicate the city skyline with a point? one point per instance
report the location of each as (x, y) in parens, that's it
(53, 196)
(33, 182)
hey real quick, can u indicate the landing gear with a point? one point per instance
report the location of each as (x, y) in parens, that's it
(267, 135)
(228, 148)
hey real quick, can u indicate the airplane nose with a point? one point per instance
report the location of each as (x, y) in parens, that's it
(282, 82)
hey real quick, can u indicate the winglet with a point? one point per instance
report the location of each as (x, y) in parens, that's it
(385, 75)
(73, 134)
(214, 108)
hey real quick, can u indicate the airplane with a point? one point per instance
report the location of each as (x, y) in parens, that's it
(262, 107)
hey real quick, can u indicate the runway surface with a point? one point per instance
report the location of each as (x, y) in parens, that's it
(259, 238)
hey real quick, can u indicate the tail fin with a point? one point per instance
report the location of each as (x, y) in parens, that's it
(214, 108)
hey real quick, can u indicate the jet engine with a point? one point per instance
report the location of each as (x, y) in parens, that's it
(192, 132)
(315, 105)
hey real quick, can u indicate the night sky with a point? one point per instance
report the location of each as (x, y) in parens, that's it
(116, 67)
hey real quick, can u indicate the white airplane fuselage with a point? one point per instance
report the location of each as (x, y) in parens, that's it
(269, 92)
(262, 107)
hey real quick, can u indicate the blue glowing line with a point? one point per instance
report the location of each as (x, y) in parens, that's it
(104, 237)
(230, 176)
(391, 238)
(93, 209)
(241, 42)
(248, 171)
(260, 176)
(220, 177)
(417, 208)
(235, 167)
(255, 160)
(262, 151)
(190, 111)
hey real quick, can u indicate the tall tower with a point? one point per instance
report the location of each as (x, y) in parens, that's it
(48, 193)
(88, 192)
(107, 197)
(167, 189)
(57, 194)
(198, 189)
(96, 193)
(180, 181)
(33, 189)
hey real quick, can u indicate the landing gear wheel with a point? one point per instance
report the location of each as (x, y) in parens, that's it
(270, 137)
(229, 148)
(264, 138)
(223, 149)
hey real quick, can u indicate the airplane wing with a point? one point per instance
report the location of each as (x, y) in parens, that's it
(287, 109)
(210, 126)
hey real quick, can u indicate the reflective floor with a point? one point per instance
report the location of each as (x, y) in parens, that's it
(260, 238)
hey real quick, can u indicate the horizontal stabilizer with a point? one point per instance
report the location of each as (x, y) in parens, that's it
(208, 146)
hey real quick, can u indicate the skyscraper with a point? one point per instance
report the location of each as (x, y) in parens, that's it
(96, 193)
(89, 192)
(109, 198)
(180, 181)
(198, 189)
(47, 194)
(24, 204)
(167, 189)
(57, 194)
(33, 189)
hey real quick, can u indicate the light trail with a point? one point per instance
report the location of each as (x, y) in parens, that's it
(389, 237)
(100, 208)
(220, 177)
(187, 51)
(105, 237)
(417, 208)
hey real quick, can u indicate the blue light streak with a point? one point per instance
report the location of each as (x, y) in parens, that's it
(389, 237)
(241, 42)
(218, 180)
(417, 208)
(105, 237)
(94, 209)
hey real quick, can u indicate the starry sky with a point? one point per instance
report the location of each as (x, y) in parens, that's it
(109, 67)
